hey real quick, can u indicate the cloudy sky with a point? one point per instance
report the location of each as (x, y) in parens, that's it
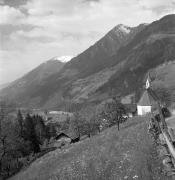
(33, 31)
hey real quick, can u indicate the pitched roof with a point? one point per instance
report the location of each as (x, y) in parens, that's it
(73, 135)
(62, 134)
(153, 94)
(148, 98)
(70, 134)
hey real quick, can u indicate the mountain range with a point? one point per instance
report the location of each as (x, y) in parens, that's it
(117, 64)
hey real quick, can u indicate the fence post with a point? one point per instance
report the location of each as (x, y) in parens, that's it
(164, 125)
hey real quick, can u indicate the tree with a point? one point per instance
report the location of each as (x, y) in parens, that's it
(10, 142)
(40, 128)
(75, 126)
(66, 124)
(90, 120)
(81, 124)
(51, 130)
(30, 133)
(20, 122)
(113, 112)
(3, 136)
(94, 124)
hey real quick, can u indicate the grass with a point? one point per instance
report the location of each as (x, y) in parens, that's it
(127, 154)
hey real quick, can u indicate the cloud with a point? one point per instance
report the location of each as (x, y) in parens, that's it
(158, 6)
(33, 31)
(92, 0)
(10, 15)
(13, 3)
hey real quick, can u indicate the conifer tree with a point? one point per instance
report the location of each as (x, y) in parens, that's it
(30, 133)
(20, 122)
(40, 128)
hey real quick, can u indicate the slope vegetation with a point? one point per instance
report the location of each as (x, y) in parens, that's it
(164, 76)
(127, 154)
(150, 48)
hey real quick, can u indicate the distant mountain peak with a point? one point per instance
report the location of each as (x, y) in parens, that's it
(62, 58)
(122, 28)
(54, 59)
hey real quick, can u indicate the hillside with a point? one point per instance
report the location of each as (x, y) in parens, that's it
(90, 61)
(150, 48)
(126, 70)
(118, 62)
(96, 57)
(3, 85)
(127, 154)
(164, 76)
(23, 86)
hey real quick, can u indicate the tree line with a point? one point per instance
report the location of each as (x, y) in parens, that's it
(19, 138)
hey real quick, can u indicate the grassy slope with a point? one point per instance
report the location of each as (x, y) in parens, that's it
(110, 155)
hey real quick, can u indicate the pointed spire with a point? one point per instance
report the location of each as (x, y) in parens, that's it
(148, 82)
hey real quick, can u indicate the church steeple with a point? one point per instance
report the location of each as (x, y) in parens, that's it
(148, 82)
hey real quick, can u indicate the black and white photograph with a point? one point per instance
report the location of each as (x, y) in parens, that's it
(87, 89)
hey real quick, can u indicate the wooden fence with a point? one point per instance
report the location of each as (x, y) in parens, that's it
(169, 137)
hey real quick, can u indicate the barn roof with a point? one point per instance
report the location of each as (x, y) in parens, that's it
(149, 98)
(67, 134)
(61, 135)
(73, 135)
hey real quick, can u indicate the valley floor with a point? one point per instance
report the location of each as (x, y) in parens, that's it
(115, 155)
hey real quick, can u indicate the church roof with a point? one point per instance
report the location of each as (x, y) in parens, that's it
(149, 98)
